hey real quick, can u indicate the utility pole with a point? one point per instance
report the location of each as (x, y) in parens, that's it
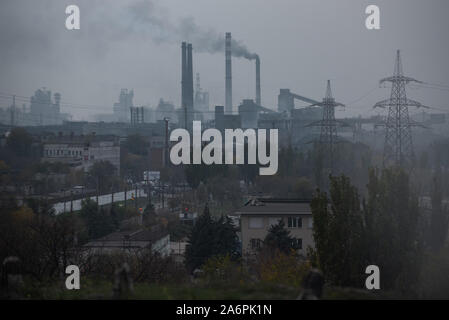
(98, 205)
(398, 146)
(13, 111)
(63, 197)
(166, 142)
(135, 198)
(112, 195)
(148, 188)
(163, 195)
(71, 201)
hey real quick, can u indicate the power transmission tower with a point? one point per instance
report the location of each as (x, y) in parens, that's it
(328, 124)
(398, 146)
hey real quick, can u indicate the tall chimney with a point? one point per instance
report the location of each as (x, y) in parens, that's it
(228, 85)
(258, 102)
(190, 77)
(183, 75)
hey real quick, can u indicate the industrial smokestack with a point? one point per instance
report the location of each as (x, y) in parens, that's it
(187, 83)
(228, 84)
(183, 75)
(258, 102)
(190, 79)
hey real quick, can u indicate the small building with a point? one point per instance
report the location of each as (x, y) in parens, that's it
(178, 249)
(82, 151)
(125, 241)
(188, 218)
(259, 214)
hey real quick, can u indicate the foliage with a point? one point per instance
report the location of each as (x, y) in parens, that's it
(195, 174)
(98, 221)
(103, 172)
(439, 222)
(394, 237)
(43, 242)
(19, 141)
(136, 144)
(386, 232)
(282, 268)
(278, 238)
(338, 233)
(222, 269)
(209, 238)
(434, 280)
(133, 166)
(145, 266)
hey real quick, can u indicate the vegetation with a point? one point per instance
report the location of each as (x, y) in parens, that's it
(278, 238)
(210, 238)
(385, 231)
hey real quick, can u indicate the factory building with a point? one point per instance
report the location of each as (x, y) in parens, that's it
(122, 107)
(82, 151)
(226, 121)
(249, 114)
(165, 109)
(201, 102)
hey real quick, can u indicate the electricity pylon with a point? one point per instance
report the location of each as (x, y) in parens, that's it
(398, 147)
(328, 124)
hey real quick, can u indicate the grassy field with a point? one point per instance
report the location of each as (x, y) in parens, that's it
(101, 289)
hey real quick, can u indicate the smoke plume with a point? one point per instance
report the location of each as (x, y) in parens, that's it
(145, 18)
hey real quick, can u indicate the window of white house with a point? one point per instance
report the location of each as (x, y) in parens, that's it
(294, 222)
(310, 222)
(256, 222)
(255, 243)
(297, 242)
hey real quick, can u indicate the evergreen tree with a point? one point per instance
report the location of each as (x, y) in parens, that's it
(209, 238)
(200, 244)
(226, 237)
(99, 223)
(279, 237)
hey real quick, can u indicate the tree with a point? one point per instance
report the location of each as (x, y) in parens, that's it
(338, 233)
(98, 222)
(133, 165)
(279, 238)
(136, 144)
(43, 242)
(19, 141)
(394, 238)
(439, 222)
(103, 172)
(201, 241)
(210, 238)
(226, 238)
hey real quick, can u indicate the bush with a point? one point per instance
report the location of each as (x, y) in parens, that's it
(277, 267)
(222, 269)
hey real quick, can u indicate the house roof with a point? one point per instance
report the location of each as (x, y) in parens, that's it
(264, 206)
(139, 238)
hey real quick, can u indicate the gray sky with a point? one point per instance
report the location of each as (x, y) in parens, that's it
(136, 44)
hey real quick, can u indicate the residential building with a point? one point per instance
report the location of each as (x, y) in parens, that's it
(258, 215)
